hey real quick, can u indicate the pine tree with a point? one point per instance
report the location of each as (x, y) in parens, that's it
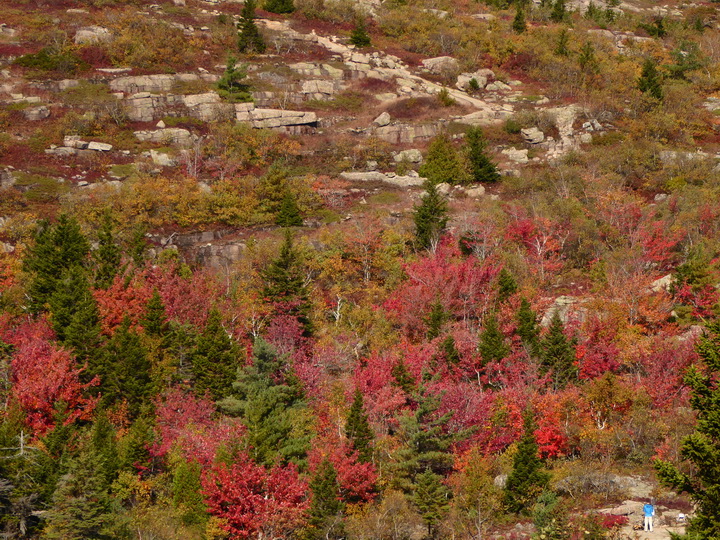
(562, 47)
(215, 359)
(558, 12)
(402, 378)
(154, 322)
(443, 163)
(138, 245)
(135, 455)
(519, 25)
(107, 255)
(187, 492)
(527, 328)
(325, 514)
(587, 59)
(279, 6)
(57, 249)
(528, 479)
(557, 353)
(249, 39)
(650, 82)
(358, 430)
(125, 370)
(701, 449)
(430, 217)
(450, 352)
(432, 499)
(507, 286)
(73, 310)
(435, 320)
(549, 518)
(285, 284)
(482, 169)
(269, 398)
(104, 445)
(229, 85)
(492, 347)
(359, 36)
(81, 506)
(289, 214)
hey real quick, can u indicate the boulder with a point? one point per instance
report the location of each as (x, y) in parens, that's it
(481, 76)
(99, 146)
(34, 114)
(413, 155)
(518, 156)
(441, 64)
(382, 120)
(89, 35)
(74, 141)
(564, 306)
(475, 192)
(532, 135)
(179, 136)
(662, 284)
(162, 159)
(375, 176)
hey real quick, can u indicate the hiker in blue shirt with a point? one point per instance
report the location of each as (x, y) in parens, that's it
(649, 512)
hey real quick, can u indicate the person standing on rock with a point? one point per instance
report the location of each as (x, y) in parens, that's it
(649, 512)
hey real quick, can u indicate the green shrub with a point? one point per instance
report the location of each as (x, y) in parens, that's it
(47, 60)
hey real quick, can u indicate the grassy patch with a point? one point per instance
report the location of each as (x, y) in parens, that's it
(385, 197)
(347, 101)
(39, 188)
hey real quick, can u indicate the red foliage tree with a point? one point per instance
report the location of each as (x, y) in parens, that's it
(253, 502)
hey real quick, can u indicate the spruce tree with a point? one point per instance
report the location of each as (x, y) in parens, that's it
(430, 217)
(107, 255)
(443, 163)
(527, 328)
(187, 492)
(138, 245)
(230, 86)
(215, 359)
(449, 350)
(325, 514)
(104, 445)
(279, 6)
(289, 213)
(154, 322)
(125, 370)
(269, 398)
(435, 320)
(73, 310)
(557, 353)
(492, 347)
(519, 25)
(482, 169)
(558, 13)
(701, 449)
(57, 248)
(359, 35)
(587, 59)
(249, 38)
(402, 378)
(432, 499)
(135, 454)
(528, 479)
(650, 82)
(507, 286)
(285, 284)
(358, 430)
(562, 47)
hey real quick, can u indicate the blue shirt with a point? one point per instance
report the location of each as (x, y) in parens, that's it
(649, 510)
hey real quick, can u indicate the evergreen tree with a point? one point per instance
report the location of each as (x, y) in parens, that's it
(289, 214)
(402, 377)
(107, 255)
(229, 85)
(214, 359)
(249, 39)
(430, 218)
(482, 169)
(74, 312)
(325, 514)
(187, 492)
(269, 397)
(57, 248)
(125, 370)
(562, 47)
(701, 449)
(435, 320)
(650, 82)
(528, 479)
(426, 442)
(104, 445)
(587, 59)
(81, 507)
(557, 354)
(432, 499)
(138, 245)
(492, 347)
(450, 352)
(285, 284)
(507, 286)
(279, 6)
(359, 36)
(558, 13)
(549, 518)
(443, 163)
(154, 322)
(519, 25)
(358, 430)
(527, 328)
